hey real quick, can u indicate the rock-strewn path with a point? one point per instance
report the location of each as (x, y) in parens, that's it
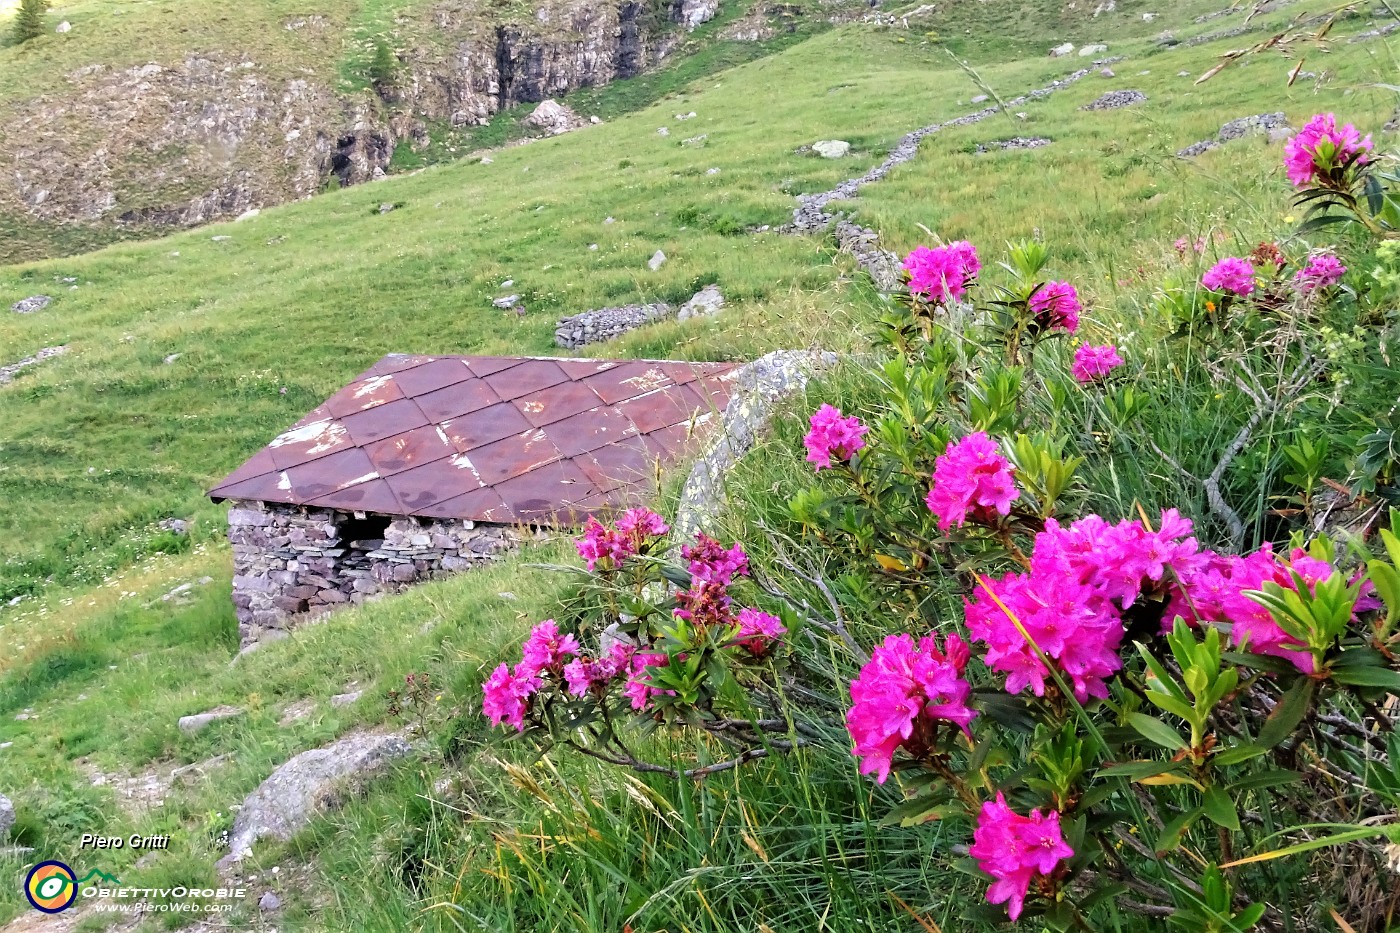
(811, 215)
(7, 373)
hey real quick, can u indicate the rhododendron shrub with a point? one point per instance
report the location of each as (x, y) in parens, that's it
(1110, 695)
(662, 642)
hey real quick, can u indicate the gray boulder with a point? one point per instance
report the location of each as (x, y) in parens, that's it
(200, 721)
(554, 118)
(7, 816)
(1060, 51)
(309, 783)
(1092, 50)
(704, 303)
(657, 260)
(831, 148)
(507, 302)
(31, 304)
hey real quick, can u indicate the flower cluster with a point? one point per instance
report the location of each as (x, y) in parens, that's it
(633, 531)
(943, 274)
(1322, 271)
(639, 689)
(971, 480)
(593, 675)
(1013, 849)
(901, 695)
(1071, 603)
(507, 692)
(1215, 591)
(1092, 364)
(1056, 307)
(833, 436)
(759, 631)
(1183, 246)
(1321, 147)
(1230, 274)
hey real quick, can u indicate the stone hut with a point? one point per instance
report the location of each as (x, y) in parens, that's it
(426, 465)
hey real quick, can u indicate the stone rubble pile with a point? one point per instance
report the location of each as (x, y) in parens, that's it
(1237, 129)
(1116, 99)
(607, 323)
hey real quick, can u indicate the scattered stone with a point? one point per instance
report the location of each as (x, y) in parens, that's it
(507, 302)
(554, 117)
(1092, 50)
(1116, 99)
(198, 722)
(486, 160)
(311, 782)
(1270, 123)
(386, 207)
(1060, 51)
(657, 260)
(609, 220)
(63, 27)
(345, 699)
(247, 215)
(663, 131)
(756, 389)
(220, 239)
(31, 304)
(7, 373)
(178, 525)
(507, 283)
(172, 358)
(1106, 73)
(685, 116)
(696, 142)
(1019, 142)
(1148, 17)
(711, 171)
(607, 323)
(7, 816)
(378, 174)
(831, 148)
(595, 120)
(267, 638)
(981, 99)
(704, 303)
(269, 902)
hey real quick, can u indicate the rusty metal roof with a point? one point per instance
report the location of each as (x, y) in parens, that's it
(489, 438)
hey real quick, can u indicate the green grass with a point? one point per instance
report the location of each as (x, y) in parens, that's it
(97, 446)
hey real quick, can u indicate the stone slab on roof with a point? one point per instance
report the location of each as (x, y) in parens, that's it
(532, 440)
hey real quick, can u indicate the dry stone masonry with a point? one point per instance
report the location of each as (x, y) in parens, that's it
(292, 562)
(607, 323)
(1237, 129)
(1113, 100)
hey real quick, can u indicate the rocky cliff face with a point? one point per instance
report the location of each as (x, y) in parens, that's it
(178, 143)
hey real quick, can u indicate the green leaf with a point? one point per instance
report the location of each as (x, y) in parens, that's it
(1368, 677)
(1220, 809)
(1237, 754)
(1173, 832)
(1156, 731)
(1336, 839)
(1140, 769)
(1291, 709)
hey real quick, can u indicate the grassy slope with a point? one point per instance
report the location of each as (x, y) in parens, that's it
(251, 316)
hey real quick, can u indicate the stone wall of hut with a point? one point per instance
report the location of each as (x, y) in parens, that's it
(293, 563)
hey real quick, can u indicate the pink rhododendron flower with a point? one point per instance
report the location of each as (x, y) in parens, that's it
(1322, 271)
(1056, 307)
(594, 674)
(1013, 849)
(833, 435)
(507, 697)
(1230, 274)
(545, 649)
(1322, 146)
(942, 274)
(971, 480)
(758, 631)
(639, 689)
(710, 562)
(640, 524)
(901, 695)
(1081, 580)
(1092, 364)
(599, 542)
